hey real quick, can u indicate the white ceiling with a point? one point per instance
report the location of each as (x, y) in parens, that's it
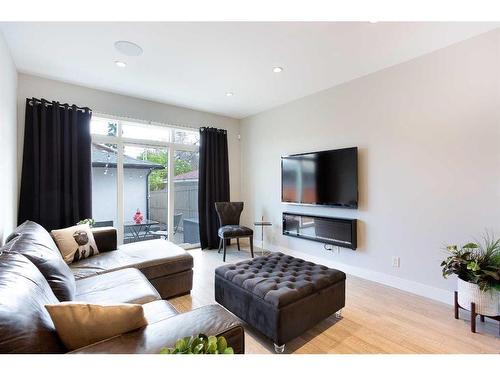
(195, 64)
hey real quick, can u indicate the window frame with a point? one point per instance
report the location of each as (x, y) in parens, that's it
(120, 143)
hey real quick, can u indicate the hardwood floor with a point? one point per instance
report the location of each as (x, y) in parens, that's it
(376, 319)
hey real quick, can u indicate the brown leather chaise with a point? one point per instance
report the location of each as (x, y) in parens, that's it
(33, 274)
(167, 266)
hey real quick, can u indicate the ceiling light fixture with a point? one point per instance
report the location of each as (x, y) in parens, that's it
(229, 93)
(120, 64)
(277, 69)
(128, 48)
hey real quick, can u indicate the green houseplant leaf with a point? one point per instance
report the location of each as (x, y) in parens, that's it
(201, 344)
(475, 262)
(221, 344)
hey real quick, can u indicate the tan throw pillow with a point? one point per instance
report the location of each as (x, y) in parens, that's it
(81, 324)
(75, 242)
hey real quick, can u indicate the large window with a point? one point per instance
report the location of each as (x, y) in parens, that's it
(145, 180)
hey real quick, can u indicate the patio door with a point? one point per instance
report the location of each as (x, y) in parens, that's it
(145, 193)
(185, 198)
(145, 180)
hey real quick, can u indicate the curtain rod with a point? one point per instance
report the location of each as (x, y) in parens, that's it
(49, 103)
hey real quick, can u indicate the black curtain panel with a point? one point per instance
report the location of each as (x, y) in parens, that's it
(213, 185)
(56, 181)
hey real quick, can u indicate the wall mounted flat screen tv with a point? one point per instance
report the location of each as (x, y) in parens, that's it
(328, 178)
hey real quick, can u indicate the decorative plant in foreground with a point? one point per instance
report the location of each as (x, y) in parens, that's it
(201, 344)
(477, 263)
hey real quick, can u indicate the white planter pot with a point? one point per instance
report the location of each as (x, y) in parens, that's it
(487, 303)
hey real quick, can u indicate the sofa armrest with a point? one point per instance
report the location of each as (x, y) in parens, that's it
(105, 238)
(212, 320)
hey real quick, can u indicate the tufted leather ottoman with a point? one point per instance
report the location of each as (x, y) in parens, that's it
(279, 295)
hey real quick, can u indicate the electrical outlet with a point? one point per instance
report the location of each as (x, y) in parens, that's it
(395, 262)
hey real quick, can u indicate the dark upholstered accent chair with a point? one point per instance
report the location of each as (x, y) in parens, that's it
(229, 217)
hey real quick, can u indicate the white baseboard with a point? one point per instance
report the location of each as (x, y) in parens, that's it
(414, 287)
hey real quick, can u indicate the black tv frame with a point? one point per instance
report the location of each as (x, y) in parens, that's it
(354, 206)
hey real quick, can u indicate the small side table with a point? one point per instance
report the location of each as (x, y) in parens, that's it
(262, 224)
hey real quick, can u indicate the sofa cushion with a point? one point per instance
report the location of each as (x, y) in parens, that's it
(102, 263)
(228, 231)
(278, 278)
(25, 325)
(75, 243)
(36, 244)
(158, 310)
(155, 258)
(128, 285)
(37, 231)
(80, 324)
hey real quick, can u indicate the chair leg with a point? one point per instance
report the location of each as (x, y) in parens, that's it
(251, 245)
(224, 247)
(238, 242)
(220, 245)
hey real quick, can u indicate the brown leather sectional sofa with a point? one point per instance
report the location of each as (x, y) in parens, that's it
(33, 274)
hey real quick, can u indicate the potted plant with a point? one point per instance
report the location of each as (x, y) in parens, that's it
(88, 221)
(477, 265)
(201, 344)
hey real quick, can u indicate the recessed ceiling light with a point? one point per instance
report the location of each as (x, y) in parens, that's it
(128, 48)
(120, 64)
(277, 69)
(373, 21)
(229, 93)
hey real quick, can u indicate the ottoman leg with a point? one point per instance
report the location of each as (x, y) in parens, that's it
(338, 314)
(279, 349)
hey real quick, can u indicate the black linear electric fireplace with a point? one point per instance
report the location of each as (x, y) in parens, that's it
(330, 230)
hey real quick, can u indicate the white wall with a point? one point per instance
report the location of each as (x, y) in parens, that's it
(428, 133)
(119, 105)
(8, 142)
